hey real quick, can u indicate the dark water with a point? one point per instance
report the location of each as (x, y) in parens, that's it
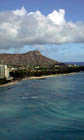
(51, 109)
(77, 63)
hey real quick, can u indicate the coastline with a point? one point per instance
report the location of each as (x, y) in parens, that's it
(10, 83)
(47, 76)
(35, 78)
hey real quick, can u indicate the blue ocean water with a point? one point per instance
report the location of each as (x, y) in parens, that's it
(51, 109)
(77, 63)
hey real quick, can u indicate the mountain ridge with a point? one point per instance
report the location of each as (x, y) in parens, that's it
(28, 58)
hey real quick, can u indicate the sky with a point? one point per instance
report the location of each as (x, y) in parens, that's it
(56, 28)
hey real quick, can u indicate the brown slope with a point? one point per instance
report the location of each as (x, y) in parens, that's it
(30, 58)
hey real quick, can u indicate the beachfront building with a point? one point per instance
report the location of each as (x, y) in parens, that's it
(4, 72)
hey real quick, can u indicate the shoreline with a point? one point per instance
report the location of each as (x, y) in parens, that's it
(48, 76)
(35, 78)
(10, 83)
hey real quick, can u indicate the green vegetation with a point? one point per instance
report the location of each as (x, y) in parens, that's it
(20, 74)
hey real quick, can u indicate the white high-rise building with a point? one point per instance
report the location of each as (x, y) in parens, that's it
(4, 72)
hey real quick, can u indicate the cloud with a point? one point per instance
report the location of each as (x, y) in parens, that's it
(19, 28)
(57, 16)
(20, 12)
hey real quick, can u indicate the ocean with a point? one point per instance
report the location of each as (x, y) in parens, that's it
(75, 63)
(51, 109)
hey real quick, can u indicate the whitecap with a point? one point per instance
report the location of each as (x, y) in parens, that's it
(34, 97)
(24, 97)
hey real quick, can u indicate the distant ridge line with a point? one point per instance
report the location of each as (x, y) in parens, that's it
(28, 58)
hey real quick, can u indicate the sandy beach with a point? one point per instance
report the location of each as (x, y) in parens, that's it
(47, 76)
(10, 83)
(34, 78)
